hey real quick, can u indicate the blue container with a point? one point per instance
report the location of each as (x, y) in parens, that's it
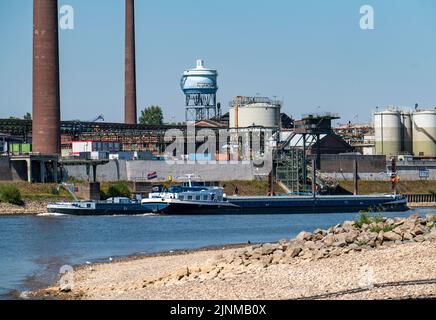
(200, 157)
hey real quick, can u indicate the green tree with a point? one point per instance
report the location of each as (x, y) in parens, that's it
(27, 116)
(151, 116)
(119, 189)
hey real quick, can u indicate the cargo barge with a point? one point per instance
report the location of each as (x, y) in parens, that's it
(319, 204)
(112, 206)
(190, 199)
(194, 199)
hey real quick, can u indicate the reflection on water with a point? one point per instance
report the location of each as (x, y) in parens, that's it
(32, 249)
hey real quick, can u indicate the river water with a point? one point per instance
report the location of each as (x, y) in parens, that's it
(32, 249)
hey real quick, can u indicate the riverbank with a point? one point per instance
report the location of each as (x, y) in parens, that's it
(373, 259)
(30, 208)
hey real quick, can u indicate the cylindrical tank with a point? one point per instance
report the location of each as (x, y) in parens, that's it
(424, 133)
(199, 80)
(387, 127)
(255, 115)
(406, 132)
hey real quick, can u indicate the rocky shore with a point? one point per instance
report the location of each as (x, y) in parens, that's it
(30, 208)
(373, 258)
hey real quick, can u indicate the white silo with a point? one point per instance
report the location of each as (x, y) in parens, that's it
(388, 128)
(424, 133)
(255, 112)
(406, 132)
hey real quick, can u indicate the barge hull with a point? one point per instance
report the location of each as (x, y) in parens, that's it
(325, 204)
(107, 210)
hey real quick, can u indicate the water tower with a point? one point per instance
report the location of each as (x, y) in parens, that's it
(200, 87)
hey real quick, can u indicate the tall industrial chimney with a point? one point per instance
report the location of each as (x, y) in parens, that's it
(46, 100)
(130, 115)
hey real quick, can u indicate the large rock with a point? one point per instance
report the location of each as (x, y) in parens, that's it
(391, 236)
(363, 238)
(320, 231)
(339, 230)
(304, 236)
(256, 255)
(268, 248)
(348, 226)
(419, 238)
(181, 273)
(407, 236)
(380, 237)
(354, 246)
(310, 245)
(306, 254)
(418, 230)
(414, 216)
(277, 257)
(328, 240)
(294, 251)
(399, 231)
(432, 235)
(340, 240)
(430, 217)
(320, 254)
(390, 222)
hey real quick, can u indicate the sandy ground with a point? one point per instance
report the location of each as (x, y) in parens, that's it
(368, 274)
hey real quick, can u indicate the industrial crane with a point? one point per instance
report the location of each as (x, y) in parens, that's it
(100, 117)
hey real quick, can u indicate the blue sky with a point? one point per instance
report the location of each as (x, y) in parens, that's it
(310, 53)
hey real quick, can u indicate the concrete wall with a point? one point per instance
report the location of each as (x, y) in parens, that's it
(409, 170)
(5, 169)
(344, 163)
(113, 171)
(215, 171)
(12, 170)
(138, 170)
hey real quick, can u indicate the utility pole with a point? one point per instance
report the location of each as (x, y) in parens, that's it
(356, 177)
(314, 178)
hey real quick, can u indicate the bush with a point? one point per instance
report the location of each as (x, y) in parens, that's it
(54, 191)
(10, 194)
(364, 218)
(120, 189)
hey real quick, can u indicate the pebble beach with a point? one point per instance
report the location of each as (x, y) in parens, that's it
(383, 259)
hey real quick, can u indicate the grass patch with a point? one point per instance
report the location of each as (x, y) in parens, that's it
(362, 243)
(119, 189)
(377, 229)
(367, 217)
(10, 194)
(364, 218)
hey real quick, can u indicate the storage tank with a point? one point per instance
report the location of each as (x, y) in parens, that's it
(200, 87)
(388, 129)
(255, 114)
(406, 132)
(424, 133)
(199, 80)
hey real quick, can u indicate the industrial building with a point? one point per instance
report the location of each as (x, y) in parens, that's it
(48, 149)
